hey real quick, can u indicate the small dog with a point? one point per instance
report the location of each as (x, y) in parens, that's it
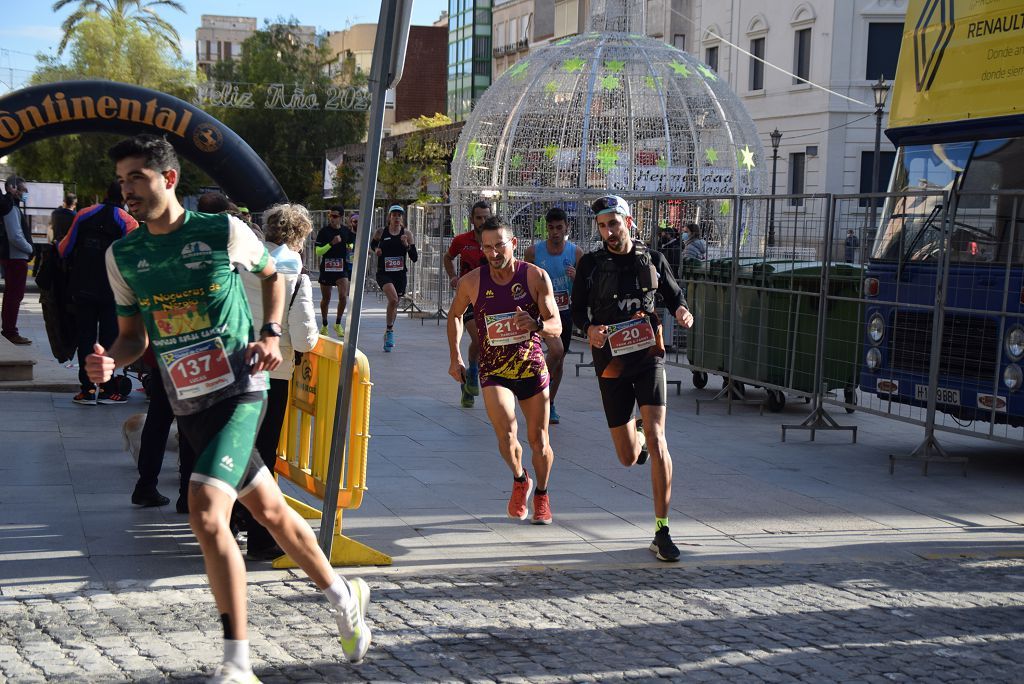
(131, 431)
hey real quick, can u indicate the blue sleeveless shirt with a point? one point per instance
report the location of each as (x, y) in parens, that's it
(555, 265)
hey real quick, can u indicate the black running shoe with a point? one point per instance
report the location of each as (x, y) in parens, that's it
(644, 453)
(663, 547)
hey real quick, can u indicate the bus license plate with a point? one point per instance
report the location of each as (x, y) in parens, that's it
(943, 395)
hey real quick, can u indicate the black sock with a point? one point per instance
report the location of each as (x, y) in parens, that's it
(521, 479)
(391, 326)
(540, 492)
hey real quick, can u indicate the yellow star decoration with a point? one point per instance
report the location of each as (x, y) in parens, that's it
(551, 87)
(711, 154)
(550, 150)
(614, 65)
(724, 207)
(608, 156)
(609, 83)
(747, 157)
(680, 69)
(707, 73)
(574, 64)
(519, 70)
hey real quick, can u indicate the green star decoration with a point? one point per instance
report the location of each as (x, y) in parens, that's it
(519, 70)
(516, 161)
(574, 64)
(652, 82)
(474, 152)
(724, 207)
(564, 41)
(680, 69)
(550, 150)
(540, 227)
(747, 157)
(711, 154)
(609, 83)
(662, 162)
(608, 156)
(551, 87)
(663, 224)
(614, 65)
(707, 73)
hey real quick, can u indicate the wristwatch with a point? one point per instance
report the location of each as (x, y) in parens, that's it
(271, 330)
(540, 324)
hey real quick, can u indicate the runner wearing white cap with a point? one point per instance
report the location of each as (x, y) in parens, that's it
(613, 304)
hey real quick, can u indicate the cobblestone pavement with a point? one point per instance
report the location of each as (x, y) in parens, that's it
(939, 620)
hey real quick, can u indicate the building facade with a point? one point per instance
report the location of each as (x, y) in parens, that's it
(827, 140)
(469, 54)
(220, 37)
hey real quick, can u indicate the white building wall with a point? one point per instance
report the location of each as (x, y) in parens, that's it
(806, 116)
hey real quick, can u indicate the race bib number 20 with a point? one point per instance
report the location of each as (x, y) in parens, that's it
(501, 330)
(199, 368)
(630, 336)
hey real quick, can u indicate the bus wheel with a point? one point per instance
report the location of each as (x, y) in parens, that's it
(775, 401)
(850, 396)
(700, 379)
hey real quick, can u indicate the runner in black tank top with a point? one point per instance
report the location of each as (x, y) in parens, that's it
(515, 307)
(393, 245)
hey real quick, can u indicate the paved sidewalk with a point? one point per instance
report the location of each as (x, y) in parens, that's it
(800, 559)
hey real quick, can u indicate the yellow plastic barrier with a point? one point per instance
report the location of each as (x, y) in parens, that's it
(304, 448)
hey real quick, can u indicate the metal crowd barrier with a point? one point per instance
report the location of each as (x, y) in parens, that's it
(304, 448)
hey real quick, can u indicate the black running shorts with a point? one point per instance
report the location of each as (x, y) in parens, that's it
(645, 388)
(396, 278)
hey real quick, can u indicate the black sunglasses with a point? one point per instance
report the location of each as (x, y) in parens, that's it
(604, 204)
(334, 215)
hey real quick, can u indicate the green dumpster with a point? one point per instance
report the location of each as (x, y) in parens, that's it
(787, 338)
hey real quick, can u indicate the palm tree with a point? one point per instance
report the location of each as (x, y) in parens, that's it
(121, 14)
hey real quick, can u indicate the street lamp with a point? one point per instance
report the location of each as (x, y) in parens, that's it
(881, 91)
(776, 137)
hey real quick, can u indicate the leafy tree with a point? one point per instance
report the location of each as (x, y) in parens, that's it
(102, 50)
(124, 17)
(420, 164)
(291, 141)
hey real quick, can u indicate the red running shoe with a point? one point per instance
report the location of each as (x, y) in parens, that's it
(521, 491)
(541, 510)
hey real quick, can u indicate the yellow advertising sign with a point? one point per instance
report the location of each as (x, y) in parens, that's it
(960, 60)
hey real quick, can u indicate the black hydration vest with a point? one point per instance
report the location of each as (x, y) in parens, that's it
(604, 283)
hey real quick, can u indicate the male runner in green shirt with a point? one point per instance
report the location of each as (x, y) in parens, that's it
(175, 286)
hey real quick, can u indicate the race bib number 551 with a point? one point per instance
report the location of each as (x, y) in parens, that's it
(199, 368)
(501, 330)
(630, 336)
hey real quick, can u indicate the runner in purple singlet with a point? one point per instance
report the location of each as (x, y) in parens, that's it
(514, 307)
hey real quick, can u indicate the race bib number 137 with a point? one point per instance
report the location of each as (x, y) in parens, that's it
(199, 368)
(630, 336)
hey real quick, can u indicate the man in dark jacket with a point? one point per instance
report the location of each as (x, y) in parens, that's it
(62, 217)
(15, 253)
(84, 250)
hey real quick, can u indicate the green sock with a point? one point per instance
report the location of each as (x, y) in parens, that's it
(659, 523)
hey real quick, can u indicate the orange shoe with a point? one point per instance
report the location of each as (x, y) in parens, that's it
(541, 510)
(521, 491)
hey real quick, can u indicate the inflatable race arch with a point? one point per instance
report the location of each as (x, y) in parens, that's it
(52, 109)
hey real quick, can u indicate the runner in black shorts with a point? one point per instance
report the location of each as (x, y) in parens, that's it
(559, 258)
(392, 245)
(466, 248)
(333, 247)
(176, 285)
(613, 303)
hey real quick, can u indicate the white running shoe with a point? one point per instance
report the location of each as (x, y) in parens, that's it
(229, 674)
(352, 622)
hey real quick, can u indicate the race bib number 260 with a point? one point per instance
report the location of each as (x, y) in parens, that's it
(199, 368)
(630, 336)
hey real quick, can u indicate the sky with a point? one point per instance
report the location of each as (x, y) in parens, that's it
(30, 27)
